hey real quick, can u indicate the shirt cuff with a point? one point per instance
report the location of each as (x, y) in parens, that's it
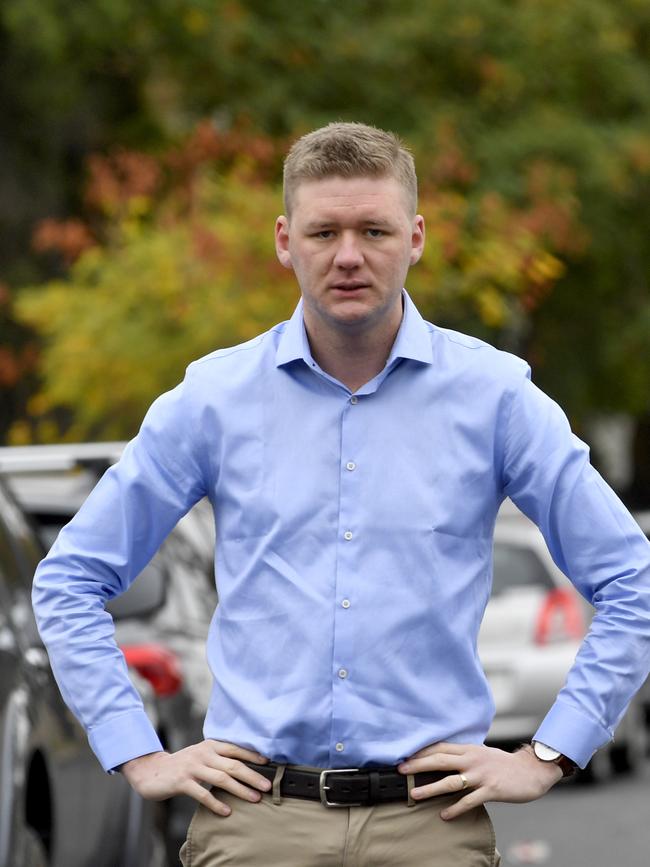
(122, 738)
(572, 733)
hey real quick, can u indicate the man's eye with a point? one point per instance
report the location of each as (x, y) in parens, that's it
(324, 234)
(375, 233)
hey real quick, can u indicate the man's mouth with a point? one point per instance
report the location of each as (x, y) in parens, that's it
(349, 285)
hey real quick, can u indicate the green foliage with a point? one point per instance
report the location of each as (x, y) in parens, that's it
(136, 310)
(186, 263)
(564, 84)
(530, 120)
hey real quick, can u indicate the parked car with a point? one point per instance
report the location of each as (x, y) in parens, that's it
(57, 806)
(533, 626)
(162, 621)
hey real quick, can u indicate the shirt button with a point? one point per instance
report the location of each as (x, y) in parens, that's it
(347, 535)
(350, 466)
(354, 399)
(339, 748)
(342, 673)
(345, 603)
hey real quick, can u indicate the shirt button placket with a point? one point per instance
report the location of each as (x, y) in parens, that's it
(347, 576)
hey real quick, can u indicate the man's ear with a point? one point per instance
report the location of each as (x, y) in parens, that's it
(282, 242)
(417, 239)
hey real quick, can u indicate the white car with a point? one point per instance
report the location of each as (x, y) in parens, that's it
(529, 638)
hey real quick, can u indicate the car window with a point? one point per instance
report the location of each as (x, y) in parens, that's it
(192, 592)
(198, 528)
(145, 595)
(516, 567)
(21, 535)
(48, 531)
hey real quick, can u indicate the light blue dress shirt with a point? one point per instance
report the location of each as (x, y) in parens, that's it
(353, 557)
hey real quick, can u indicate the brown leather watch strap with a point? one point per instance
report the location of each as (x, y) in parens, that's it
(564, 763)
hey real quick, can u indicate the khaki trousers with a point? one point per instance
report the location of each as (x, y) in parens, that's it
(290, 832)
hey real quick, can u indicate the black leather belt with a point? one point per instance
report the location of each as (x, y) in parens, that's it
(346, 787)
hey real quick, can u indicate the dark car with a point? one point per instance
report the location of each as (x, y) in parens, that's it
(57, 806)
(162, 621)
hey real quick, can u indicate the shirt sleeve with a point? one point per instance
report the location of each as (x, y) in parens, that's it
(595, 541)
(97, 555)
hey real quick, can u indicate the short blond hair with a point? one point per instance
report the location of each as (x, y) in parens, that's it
(349, 150)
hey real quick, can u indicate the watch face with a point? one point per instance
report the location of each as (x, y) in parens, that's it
(544, 753)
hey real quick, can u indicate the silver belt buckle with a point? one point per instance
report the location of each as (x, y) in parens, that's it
(322, 788)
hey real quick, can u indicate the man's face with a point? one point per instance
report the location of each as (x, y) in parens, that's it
(350, 242)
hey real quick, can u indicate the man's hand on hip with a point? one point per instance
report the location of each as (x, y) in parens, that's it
(157, 776)
(485, 773)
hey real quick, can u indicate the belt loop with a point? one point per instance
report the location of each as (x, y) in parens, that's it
(279, 773)
(410, 784)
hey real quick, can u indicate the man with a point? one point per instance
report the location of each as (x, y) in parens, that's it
(356, 457)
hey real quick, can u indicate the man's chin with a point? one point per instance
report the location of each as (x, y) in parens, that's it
(351, 315)
(356, 305)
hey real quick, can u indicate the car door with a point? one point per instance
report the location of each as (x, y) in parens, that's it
(81, 813)
(12, 700)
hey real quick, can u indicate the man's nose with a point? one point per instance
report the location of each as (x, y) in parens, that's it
(348, 253)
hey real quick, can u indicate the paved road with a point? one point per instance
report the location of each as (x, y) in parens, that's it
(579, 826)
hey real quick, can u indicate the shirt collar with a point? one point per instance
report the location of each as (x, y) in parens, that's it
(413, 338)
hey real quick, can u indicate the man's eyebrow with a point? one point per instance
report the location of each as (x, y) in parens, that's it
(320, 225)
(317, 225)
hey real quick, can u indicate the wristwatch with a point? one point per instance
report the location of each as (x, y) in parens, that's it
(547, 754)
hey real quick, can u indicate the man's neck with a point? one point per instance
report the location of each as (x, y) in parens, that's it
(353, 357)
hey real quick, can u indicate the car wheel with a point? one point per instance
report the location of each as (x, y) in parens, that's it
(628, 756)
(34, 854)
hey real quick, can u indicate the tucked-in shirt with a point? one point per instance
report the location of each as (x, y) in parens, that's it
(354, 551)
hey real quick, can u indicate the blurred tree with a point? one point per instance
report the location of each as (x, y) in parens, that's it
(71, 80)
(184, 262)
(546, 104)
(18, 362)
(536, 91)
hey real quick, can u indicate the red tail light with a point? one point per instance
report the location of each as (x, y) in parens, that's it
(560, 618)
(157, 665)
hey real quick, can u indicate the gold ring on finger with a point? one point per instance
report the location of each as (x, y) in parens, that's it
(464, 781)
